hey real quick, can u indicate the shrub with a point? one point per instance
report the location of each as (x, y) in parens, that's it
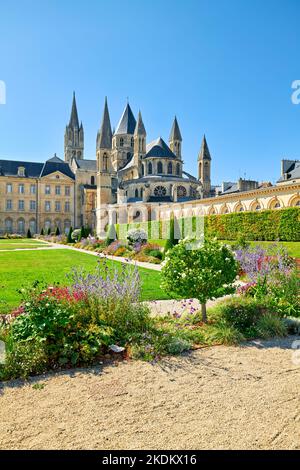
(57, 232)
(270, 325)
(201, 272)
(69, 238)
(137, 236)
(223, 333)
(29, 234)
(111, 235)
(76, 234)
(22, 359)
(241, 313)
(42, 231)
(121, 251)
(292, 325)
(49, 231)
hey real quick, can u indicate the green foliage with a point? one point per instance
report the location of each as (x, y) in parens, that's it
(82, 233)
(270, 325)
(283, 224)
(49, 231)
(240, 312)
(69, 238)
(23, 358)
(222, 333)
(57, 232)
(292, 324)
(42, 232)
(201, 272)
(29, 234)
(111, 235)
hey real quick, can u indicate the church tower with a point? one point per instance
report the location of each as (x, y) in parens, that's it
(139, 144)
(103, 155)
(74, 136)
(204, 167)
(175, 139)
(123, 139)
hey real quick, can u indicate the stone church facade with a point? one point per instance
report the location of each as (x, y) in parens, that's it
(129, 179)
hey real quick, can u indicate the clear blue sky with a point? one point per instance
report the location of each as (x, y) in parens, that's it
(225, 69)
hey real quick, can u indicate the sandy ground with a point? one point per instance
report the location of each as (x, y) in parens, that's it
(223, 397)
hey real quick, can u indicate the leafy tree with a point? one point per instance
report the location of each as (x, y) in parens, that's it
(49, 231)
(28, 233)
(57, 232)
(69, 237)
(42, 232)
(201, 272)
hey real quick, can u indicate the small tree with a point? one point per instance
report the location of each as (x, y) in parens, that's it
(82, 233)
(57, 232)
(28, 233)
(42, 232)
(200, 272)
(49, 231)
(174, 230)
(69, 237)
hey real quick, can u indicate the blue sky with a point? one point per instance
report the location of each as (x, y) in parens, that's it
(225, 69)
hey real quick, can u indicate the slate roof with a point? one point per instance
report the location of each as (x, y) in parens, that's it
(140, 128)
(104, 136)
(292, 172)
(34, 169)
(204, 153)
(175, 132)
(127, 122)
(159, 148)
(56, 164)
(74, 121)
(10, 168)
(88, 165)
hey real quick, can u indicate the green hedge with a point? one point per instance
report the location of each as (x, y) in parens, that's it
(269, 225)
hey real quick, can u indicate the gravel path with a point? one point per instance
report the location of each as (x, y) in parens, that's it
(223, 397)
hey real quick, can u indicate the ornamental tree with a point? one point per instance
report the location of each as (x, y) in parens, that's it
(201, 272)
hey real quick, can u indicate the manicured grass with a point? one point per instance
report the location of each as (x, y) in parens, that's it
(292, 247)
(14, 244)
(20, 269)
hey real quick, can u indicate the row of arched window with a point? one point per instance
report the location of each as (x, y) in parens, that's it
(170, 169)
(21, 228)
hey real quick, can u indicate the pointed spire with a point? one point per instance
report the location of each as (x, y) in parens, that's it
(127, 122)
(140, 128)
(74, 121)
(104, 137)
(175, 132)
(204, 153)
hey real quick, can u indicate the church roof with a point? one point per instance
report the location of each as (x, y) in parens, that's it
(175, 132)
(292, 172)
(88, 165)
(127, 122)
(204, 153)
(74, 121)
(140, 128)
(159, 148)
(104, 136)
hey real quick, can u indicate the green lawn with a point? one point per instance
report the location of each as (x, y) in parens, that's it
(18, 269)
(13, 244)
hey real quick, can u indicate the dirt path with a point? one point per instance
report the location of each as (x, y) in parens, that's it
(223, 397)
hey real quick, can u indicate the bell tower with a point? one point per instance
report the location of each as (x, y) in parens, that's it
(204, 167)
(74, 136)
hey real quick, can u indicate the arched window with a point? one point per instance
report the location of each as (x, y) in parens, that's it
(136, 193)
(47, 224)
(8, 225)
(150, 168)
(181, 191)
(177, 169)
(143, 170)
(121, 142)
(105, 162)
(92, 180)
(141, 192)
(257, 207)
(160, 191)
(128, 156)
(297, 203)
(21, 226)
(32, 226)
(159, 167)
(170, 168)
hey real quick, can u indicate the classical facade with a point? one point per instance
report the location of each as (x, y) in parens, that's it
(129, 180)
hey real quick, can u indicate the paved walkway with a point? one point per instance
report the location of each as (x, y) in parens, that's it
(244, 397)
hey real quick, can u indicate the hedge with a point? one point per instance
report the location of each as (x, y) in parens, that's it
(269, 225)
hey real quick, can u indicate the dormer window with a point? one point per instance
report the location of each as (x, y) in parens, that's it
(21, 171)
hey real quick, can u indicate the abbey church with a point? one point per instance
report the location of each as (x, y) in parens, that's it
(126, 172)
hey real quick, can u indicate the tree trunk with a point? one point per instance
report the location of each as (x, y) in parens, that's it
(203, 311)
